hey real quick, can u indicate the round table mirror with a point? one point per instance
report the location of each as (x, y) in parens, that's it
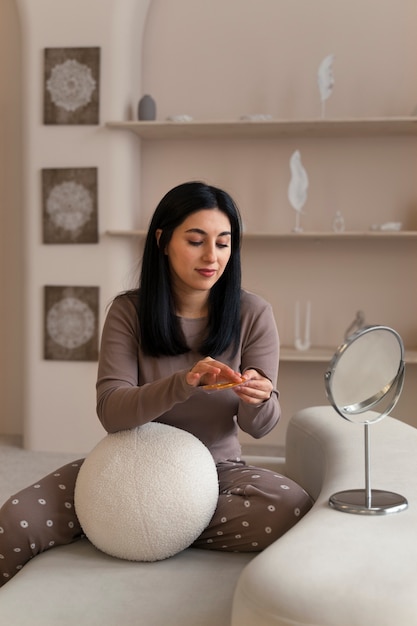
(363, 383)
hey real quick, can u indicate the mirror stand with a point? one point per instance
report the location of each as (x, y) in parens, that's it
(368, 501)
(367, 372)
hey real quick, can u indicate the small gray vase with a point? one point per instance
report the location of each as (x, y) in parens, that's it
(147, 108)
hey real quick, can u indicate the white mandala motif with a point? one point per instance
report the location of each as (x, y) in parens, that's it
(71, 85)
(70, 323)
(69, 206)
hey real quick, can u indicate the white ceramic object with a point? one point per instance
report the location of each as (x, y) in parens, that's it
(297, 189)
(179, 118)
(305, 342)
(325, 80)
(387, 226)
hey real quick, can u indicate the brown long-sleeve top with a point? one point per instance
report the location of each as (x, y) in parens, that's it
(134, 388)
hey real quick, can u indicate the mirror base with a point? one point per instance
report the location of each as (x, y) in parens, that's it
(355, 501)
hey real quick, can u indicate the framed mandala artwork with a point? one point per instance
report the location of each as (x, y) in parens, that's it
(71, 323)
(71, 85)
(69, 205)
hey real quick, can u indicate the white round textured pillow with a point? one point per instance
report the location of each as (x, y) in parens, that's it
(146, 494)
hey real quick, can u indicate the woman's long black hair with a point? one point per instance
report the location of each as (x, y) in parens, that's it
(160, 330)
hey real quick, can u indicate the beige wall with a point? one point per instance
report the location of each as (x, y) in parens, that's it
(211, 60)
(11, 227)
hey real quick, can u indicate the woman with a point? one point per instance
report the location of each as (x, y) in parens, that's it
(187, 327)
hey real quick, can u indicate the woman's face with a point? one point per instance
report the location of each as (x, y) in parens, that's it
(199, 250)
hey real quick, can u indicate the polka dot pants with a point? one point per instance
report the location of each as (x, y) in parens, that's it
(38, 518)
(255, 507)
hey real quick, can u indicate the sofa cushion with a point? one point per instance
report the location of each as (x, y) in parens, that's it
(147, 493)
(78, 585)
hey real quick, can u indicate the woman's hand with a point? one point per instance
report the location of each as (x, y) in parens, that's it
(208, 371)
(256, 388)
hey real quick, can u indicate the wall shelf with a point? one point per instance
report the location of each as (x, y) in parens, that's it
(313, 235)
(324, 355)
(270, 129)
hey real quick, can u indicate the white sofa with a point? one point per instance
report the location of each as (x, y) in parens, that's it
(331, 569)
(335, 568)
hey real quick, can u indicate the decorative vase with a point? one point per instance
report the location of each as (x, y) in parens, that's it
(338, 223)
(147, 108)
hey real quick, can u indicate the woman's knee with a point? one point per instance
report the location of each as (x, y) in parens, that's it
(256, 507)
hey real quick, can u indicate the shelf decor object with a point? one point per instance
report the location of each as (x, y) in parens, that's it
(71, 85)
(357, 323)
(69, 205)
(71, 323)
(325, 81)
(363, 383)
(147, 108)
(302, 343)
(297, 188)
(338, 224)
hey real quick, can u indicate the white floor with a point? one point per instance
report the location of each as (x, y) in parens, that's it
(20, 468)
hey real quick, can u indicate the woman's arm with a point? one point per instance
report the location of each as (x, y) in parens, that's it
(121, 402)
(259, 408)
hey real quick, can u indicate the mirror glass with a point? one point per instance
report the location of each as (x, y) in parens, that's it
(366, 373)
